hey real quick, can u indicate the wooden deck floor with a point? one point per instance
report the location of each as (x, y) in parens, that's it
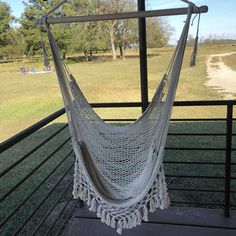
(171, 222)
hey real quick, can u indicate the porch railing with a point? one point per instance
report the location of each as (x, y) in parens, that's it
(36, 185)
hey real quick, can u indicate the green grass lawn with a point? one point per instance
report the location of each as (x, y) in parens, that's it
(27, 98)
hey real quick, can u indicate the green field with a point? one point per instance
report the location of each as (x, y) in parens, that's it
(27, 98)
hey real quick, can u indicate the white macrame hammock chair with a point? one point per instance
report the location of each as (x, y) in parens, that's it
(119, 169)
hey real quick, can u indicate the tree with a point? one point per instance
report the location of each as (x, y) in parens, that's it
(34, 10)
(89, 36)
(126, 33)
(28, 29)
(111, 6)
(118, 31)
(158, 33)
(15, 46)
(5, 27)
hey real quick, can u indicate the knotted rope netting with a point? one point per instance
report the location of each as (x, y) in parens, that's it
(119, 169)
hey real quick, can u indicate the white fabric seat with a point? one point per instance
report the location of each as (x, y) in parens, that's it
(119, 169)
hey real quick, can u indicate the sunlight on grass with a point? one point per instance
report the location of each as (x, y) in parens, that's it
(28, 98)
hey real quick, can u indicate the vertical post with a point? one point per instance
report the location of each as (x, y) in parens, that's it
(143, 56)
(229, 124)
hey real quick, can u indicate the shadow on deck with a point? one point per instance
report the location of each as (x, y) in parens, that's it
(175, 221)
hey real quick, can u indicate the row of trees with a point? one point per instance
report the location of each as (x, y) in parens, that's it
(21, 37)
(210, 40)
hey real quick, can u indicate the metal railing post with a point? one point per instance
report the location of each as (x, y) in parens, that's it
(229, 126)
(143, 56)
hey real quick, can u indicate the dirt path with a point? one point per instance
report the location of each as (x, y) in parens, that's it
(221, 77)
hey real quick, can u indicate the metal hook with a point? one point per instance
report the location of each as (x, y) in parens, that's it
(44, 17)
(188, 2)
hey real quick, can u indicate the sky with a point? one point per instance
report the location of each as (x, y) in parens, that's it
(219, 21)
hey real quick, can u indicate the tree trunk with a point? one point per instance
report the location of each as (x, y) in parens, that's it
(112, 38)
(90, 55)
(86, 55)
(122, 51)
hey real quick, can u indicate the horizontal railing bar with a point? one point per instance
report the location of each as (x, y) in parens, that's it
(196, 134)
(67, 218)
(205, 103)
(198, 119)
(194, 163)
(198, 203)
(27, 132)
(117, 104)
(124, 15)
(196, 177)
(120, 120)
(34, 190)
(173, 120)
(32, 151)
(176, 103)
(195, 149)
(32, 129)
(61, 212)
(200, 190)
(52, 208)
(42, 201)
(196, 190)
(32, 171)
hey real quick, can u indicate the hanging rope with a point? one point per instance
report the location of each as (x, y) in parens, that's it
(195, 49)
(45, 56)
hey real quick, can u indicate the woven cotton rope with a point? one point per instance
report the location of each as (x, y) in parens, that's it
(119, 169)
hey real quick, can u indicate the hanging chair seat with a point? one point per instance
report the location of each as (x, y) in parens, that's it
(119, 169)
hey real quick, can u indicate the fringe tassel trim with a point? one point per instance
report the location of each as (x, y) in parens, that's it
(159, 199)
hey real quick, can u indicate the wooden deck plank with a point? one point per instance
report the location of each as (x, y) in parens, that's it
(93, 227)
(181, 216)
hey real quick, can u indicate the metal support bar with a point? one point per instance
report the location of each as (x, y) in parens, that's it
(198, 203)
(143, 56)
(229, 126)
(55, 8)
(195, 176)
(125, 15)
(194, 149)
(193, 163)
(196, 190)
